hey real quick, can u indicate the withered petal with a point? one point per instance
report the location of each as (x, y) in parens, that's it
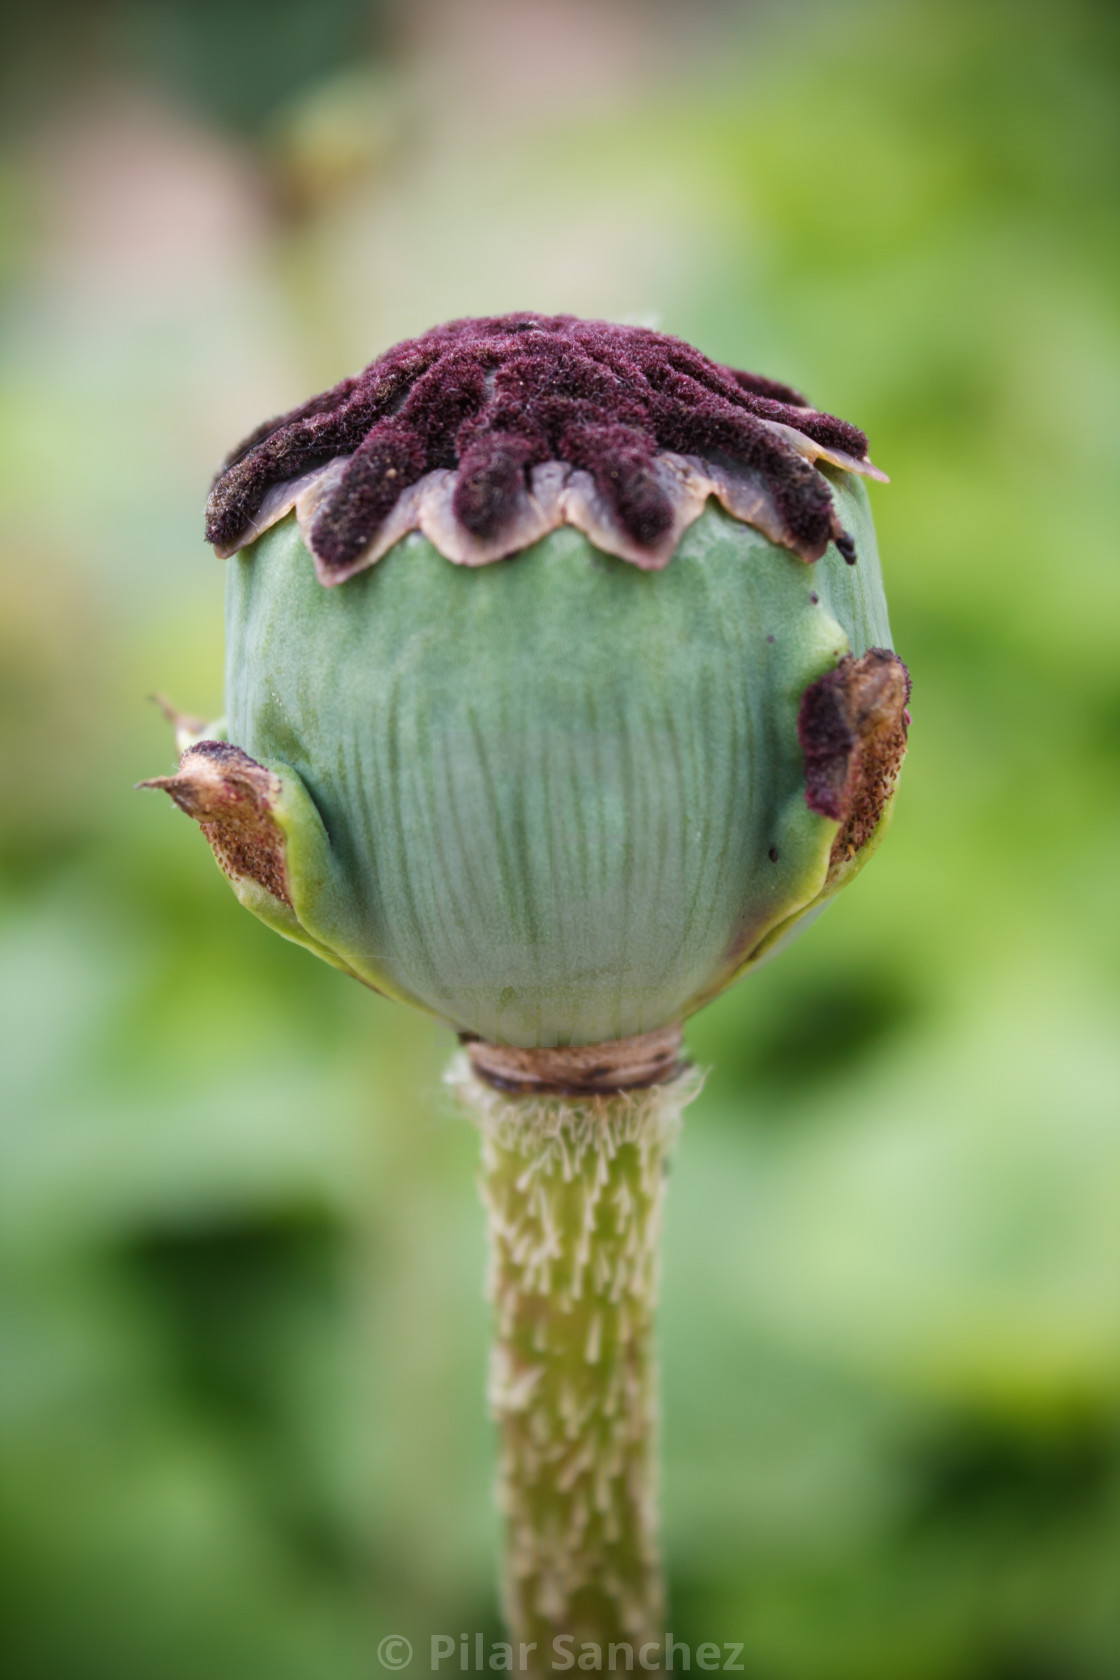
(852, 725)
(231, 797)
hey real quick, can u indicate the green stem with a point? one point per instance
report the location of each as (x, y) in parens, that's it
(573, 1188)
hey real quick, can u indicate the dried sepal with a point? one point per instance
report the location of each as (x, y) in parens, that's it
(188, 727)
(852, 726)
(233, 799)
(268, 839)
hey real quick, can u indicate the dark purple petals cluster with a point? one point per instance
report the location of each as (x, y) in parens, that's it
(492, 399)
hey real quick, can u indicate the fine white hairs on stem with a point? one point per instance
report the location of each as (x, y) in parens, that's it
(573, 1187)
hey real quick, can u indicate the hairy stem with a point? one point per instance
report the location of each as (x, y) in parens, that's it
(573, 1189)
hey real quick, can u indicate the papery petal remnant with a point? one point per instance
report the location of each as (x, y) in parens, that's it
(232, 797)
(486, 434)
(852, 726)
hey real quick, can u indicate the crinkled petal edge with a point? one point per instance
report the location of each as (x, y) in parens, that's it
(555, 494)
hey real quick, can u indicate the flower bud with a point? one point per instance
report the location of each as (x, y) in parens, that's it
(559, 674)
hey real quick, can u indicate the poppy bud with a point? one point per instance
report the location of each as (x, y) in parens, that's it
(560, 656)
(560, 693)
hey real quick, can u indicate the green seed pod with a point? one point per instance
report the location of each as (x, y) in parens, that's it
(558, 675)
(560, 693)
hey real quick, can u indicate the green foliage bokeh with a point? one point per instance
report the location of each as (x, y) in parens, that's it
(242, 1334)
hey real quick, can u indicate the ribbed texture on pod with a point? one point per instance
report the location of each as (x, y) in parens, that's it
(565, 798)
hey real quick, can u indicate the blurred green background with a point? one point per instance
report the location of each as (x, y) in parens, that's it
(242, 1335)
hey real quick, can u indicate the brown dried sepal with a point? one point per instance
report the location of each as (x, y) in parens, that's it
(852, 726)
(231, 797)
(189, 728)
